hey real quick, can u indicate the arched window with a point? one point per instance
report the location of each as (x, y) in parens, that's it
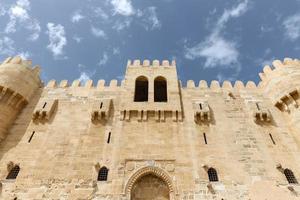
(290, 176)
(13, 173)
(160, 89)
(102, 175)
(212, 175)
(141, 89)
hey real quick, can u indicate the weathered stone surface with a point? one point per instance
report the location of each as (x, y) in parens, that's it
(152, 150)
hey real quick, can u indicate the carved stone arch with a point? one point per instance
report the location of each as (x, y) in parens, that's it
(150, 170)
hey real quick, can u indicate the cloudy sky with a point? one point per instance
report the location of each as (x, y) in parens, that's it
(93, 39)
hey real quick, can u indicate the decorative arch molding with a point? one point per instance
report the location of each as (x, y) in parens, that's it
(156, 171)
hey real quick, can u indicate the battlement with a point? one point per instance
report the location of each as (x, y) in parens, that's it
(88, 84)
(27, 63)
(268, 71)
(154, 63)
(216, 85)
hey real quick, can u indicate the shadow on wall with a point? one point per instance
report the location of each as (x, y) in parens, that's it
(13, 138)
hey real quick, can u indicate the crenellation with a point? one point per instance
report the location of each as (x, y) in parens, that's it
(239, 85)
(203, 84)
(155, 63)
(101, 84)
(250, 85)
(227, 85)
(76, 83)
(51, 84)
(190, 84)
(89, 84)
(214, 85)
(63, 84)
(146, 63)
(149, 137)
(113, 84)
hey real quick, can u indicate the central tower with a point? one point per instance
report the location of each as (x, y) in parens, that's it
(151, 89)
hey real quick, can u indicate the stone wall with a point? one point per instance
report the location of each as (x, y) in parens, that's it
(75, 130)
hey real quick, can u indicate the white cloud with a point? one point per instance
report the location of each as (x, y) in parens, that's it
(99, 12)
(215, 48)
(103, 60)
(24, 55)
(18, 16)
(123, 7)
(84, 77)
(292, 27)
(149, 18)
(116, 51)
(77, 39)
(234, 12)
(57, 39)
(76, 17)
(98, 32)
(7, 46)
(120, 25)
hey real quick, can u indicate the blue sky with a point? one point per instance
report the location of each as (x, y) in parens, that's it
(93, 39)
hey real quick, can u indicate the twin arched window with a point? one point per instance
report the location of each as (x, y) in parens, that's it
(141, 89)
(13, 173)
(102, 174)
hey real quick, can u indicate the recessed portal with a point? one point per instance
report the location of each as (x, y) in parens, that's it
(150, 187)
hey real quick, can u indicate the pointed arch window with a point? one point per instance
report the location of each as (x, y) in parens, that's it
(13, 173)
(212, 175)
(102, 174)
(160, 89)
(290, 176)
(141, 89)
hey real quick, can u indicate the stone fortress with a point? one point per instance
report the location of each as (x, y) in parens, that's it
(148, 137)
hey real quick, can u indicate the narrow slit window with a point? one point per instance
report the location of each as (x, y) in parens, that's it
(108, 138)
(212, 175)
(44, 104)
(103, 173)
(32, 134)
(273, 141)
(204, 137)
(257, 106)
(101, 105)
(290, 176)
(200, 105)
(13, 173)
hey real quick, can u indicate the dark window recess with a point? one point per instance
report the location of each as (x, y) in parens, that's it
(204, 137)
(101, 105)
(103, 173)
(108, 138)
(160, 90)
(290, 176)
(200, 105)
(44, 104)
(272, 138)
(141, 89)
(13, 172)
(31, 136)
(212, 175)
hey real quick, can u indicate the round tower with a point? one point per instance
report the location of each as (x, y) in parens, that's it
(18, 82)
(281, 83)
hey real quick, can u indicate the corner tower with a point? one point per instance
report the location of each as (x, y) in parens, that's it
(151, 90)
(281, 83)
(18, 82)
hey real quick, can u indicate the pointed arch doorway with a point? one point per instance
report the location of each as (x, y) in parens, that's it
(150, 183)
